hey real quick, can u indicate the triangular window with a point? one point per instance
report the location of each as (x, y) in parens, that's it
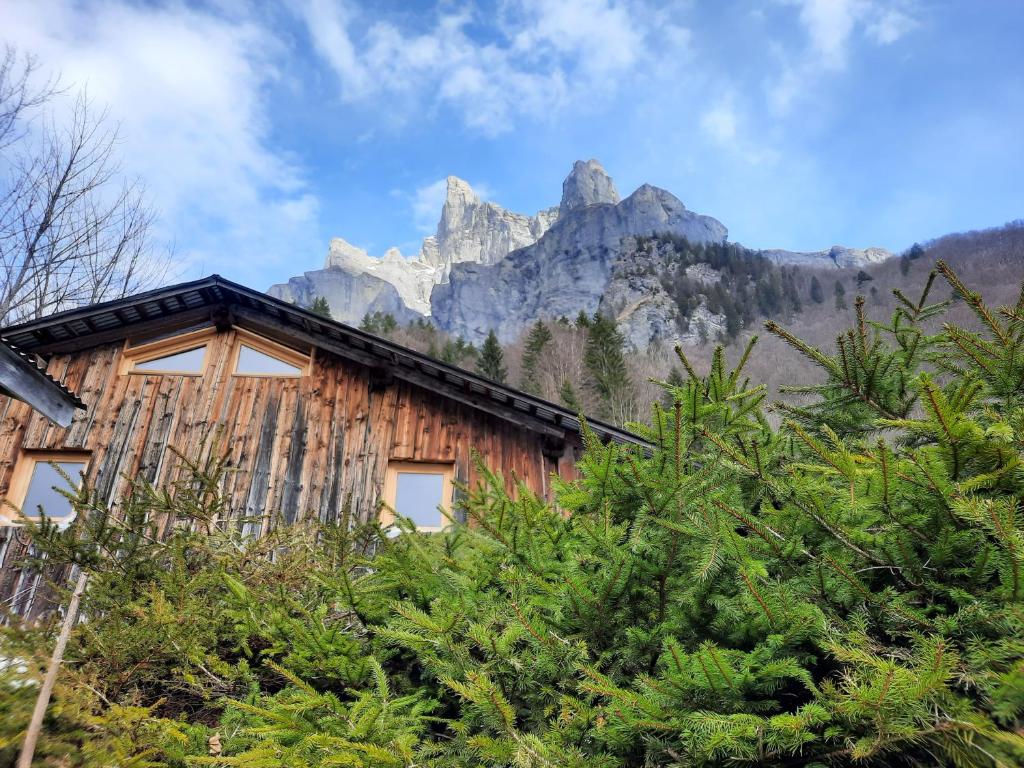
(253, 362)
(259, 356)
(183, 355)
(188, 361)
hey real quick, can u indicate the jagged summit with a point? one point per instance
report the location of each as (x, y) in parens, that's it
(586, 184)
(489, 268)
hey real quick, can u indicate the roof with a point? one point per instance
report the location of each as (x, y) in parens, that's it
(22, 377)
(215, 296)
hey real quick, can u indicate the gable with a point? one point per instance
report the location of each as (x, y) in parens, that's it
(226, 304)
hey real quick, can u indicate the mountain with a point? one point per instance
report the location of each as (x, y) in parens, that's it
(470, 230)
(567, 270)
(486, 268)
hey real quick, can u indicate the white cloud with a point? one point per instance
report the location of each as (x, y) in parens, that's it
(890, 25)
(539, 57)
(831, 26)
(720, 123)
(426, 205)
(187, 88)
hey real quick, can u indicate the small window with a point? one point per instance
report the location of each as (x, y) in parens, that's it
(182, 355)
(419, 492)
(189, 361)
(257, 356)
(37, 482)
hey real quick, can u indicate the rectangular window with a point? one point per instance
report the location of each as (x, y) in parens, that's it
(182, 355)
(37, 482)
(419, 492)
(257, 356)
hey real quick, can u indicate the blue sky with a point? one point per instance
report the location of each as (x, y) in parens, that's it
(262, 131)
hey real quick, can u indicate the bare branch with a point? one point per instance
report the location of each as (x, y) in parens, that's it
(73, 230)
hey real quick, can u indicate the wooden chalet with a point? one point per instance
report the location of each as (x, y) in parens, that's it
(312, 415)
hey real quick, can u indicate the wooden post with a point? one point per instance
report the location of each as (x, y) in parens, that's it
(43, 700)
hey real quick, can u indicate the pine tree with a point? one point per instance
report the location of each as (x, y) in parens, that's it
(605, 364)
(381, 323)
(457, 352)
(674, 381)
(490, 363)
(538, 338)
(321, 307)
(817, 296)
(840, 293)
(567, 394)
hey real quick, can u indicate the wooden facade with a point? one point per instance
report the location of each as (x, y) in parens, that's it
(299, 445)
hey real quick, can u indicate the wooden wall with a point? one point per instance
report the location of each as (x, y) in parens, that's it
(298, 446)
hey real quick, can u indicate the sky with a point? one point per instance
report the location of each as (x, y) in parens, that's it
(262, 130)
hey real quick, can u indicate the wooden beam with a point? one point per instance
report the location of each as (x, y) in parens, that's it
(142, 328)
(23, 380)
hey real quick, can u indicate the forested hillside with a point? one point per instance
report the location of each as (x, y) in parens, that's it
(721, 293)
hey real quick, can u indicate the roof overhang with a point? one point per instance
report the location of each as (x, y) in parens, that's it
(215, 299)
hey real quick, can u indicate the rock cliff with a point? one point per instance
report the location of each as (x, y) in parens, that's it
(470, 230)
(489, 268)
(837, 256)
(565, 271)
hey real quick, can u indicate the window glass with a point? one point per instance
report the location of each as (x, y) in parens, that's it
(189, 361)
(252, 361)
(42, 489)
(418, 496)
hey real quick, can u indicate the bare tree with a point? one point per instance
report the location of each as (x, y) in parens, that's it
(19, 93)
(73, 230)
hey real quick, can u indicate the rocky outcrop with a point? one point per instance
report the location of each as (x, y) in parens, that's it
(359, 293)
(470, 230)
(837, 256)
(644, 311)
(586, 184)
(566, 271)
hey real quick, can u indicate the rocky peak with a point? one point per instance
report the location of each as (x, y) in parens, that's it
(587, 184)
(459, 196)
(342, 255)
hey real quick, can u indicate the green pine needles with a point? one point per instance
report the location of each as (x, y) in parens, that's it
(844, 588)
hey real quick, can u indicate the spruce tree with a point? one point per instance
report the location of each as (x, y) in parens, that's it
(383, 324)
(605, 364)
(840, 293)
(570, 399)
(490, 362)
(321, 307)
(817, 296)
(538, 338)
(674, 381)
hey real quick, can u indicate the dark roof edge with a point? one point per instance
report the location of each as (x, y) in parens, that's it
(569, 419)
(27, 381)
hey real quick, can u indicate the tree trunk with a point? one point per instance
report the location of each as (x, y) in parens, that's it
(35, 725)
